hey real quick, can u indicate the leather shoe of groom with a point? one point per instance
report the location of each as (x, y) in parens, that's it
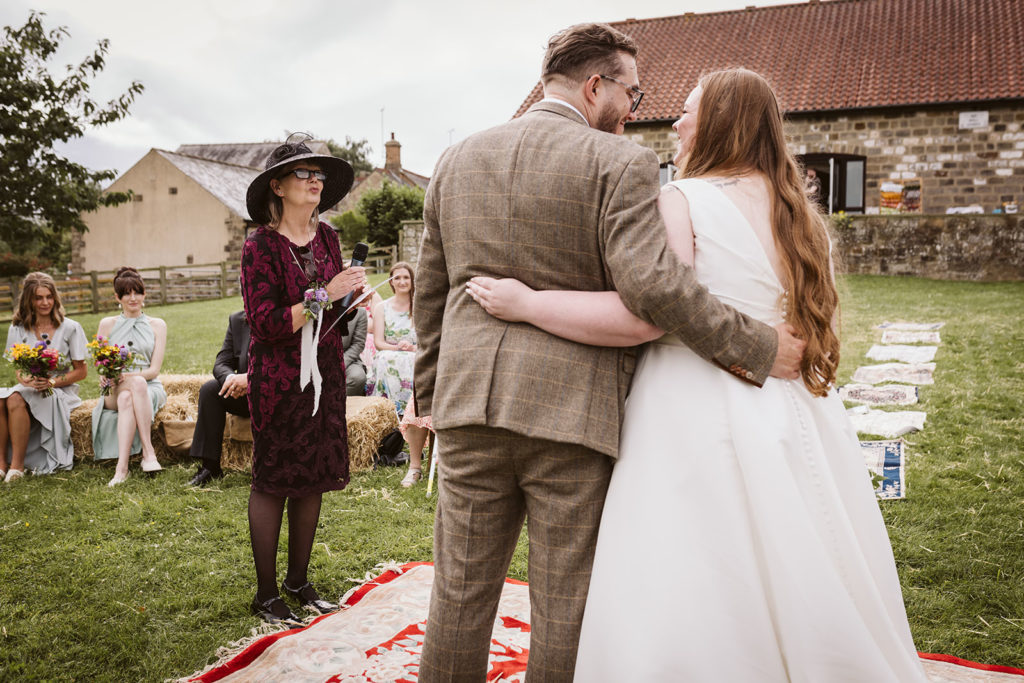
(204, 476)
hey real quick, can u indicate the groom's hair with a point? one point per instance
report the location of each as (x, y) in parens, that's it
(583, 50)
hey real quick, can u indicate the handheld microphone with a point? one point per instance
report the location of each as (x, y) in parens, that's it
(359, 253)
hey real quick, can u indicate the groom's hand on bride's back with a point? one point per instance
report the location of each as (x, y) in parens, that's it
(790, 353)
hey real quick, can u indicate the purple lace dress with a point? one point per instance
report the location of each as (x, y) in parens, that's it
(295, 453)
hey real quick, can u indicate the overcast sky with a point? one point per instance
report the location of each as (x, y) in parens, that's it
(252, 70)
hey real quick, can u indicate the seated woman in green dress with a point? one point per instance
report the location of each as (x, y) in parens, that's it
(35, 429)
(122, 421)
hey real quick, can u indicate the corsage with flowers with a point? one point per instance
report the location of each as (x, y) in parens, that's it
(111, 361)
(39, 362)
(314, 300)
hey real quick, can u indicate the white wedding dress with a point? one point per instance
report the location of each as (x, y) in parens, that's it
(741, 539)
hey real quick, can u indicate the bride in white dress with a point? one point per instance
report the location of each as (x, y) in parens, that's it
(741, 539)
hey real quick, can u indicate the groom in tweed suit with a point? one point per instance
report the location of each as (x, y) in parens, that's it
(527, 423)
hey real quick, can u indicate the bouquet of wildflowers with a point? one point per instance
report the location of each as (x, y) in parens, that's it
(315, 300)
(111, 360)
(39, 361)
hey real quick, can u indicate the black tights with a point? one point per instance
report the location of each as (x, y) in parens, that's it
(265, 513)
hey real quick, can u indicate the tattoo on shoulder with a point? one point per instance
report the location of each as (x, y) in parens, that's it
(724, 182)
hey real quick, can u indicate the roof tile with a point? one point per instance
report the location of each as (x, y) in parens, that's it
(837, 54)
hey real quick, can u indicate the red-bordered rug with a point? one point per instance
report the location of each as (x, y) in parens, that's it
(378, 636)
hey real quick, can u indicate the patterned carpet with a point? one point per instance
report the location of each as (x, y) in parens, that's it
(377, 638)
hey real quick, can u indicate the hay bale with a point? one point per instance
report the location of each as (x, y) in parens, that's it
(188, 385)
(369, 419)
(236, 449)
(235, 455)
(179, 407)
(81, 429)
(239, 428)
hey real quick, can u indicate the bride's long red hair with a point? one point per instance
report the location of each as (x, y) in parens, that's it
(739, 130)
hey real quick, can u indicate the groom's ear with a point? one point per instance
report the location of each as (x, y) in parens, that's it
(590, 88)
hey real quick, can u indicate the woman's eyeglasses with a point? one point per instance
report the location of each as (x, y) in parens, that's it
(304, 173)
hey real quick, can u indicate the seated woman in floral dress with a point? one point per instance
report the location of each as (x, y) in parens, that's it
(395, 339)
(35, 428)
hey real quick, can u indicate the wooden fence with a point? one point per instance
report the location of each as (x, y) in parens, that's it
(93, 292)
(379, 259)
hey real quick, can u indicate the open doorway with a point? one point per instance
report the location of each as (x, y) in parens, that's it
(836, 181)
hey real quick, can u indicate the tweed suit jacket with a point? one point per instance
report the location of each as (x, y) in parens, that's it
(559, 205)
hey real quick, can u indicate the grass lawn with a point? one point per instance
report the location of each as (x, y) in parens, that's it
(146, 581)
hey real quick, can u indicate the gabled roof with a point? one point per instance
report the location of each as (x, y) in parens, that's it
(405, 177)
(399, 177)
(252, 154)
(227, 182)
(837, 54)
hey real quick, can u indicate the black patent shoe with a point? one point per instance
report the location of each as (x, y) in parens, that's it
(275, 611)
(204, 476)
(309, 598)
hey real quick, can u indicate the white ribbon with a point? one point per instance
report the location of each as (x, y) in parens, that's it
(308, 366)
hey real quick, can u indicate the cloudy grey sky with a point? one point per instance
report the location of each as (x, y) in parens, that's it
(250, 70)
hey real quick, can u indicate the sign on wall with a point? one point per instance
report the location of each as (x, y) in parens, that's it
(973, 119)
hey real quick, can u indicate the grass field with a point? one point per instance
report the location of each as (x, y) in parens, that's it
(146, 581)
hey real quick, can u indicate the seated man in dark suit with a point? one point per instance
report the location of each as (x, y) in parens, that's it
(354, 342)
(225, 393)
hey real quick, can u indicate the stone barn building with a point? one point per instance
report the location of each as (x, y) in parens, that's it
(188, 208)
(899, 105)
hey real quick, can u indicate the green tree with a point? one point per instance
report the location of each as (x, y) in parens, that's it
(351, 227)
(386, 208)
(355, 152)
(43, 194)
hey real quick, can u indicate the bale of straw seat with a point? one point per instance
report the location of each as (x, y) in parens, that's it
(81, 429)
(176, 409)
(369, 419)
(238, 428)
(236, 449)
(188, 385)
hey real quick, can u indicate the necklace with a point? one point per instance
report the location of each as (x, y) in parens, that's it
(44, 337)
(309, 264)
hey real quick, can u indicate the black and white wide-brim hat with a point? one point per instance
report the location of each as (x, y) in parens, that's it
(337, 185)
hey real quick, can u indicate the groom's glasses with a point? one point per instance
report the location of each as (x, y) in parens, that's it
(635, 93)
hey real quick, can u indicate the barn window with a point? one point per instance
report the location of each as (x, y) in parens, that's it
(842, 180)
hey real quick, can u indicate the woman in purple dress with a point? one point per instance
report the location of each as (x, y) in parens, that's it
(296, 367)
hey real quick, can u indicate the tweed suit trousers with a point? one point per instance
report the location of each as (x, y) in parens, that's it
(493, 479)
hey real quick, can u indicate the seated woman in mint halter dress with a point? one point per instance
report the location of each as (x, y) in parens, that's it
(38, 427)
(122, 421)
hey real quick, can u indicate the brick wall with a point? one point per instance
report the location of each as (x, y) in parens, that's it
(236, 239)
(962, 247)
(981, 166)
(409, 236)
